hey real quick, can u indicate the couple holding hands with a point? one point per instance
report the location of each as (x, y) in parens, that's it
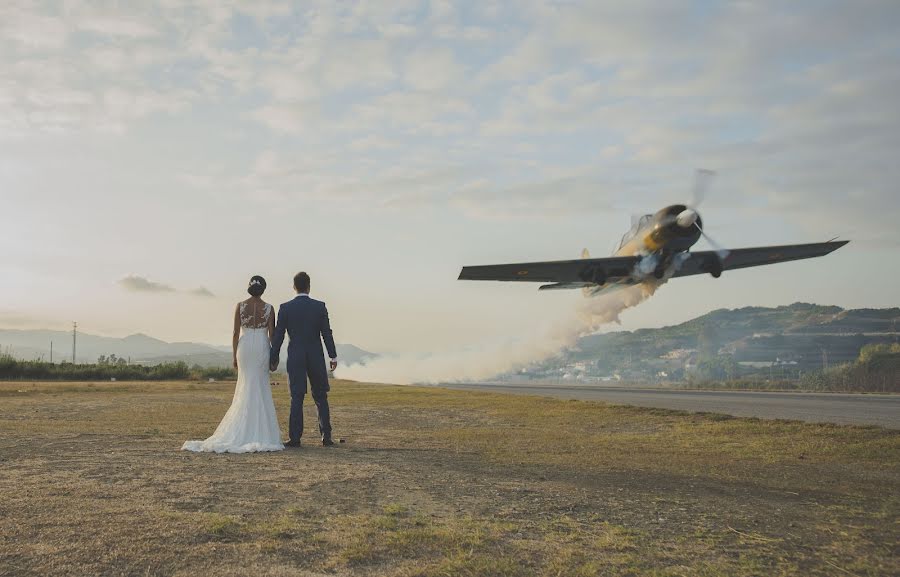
(251, 423)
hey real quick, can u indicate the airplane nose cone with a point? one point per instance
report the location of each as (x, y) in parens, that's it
(686, 218)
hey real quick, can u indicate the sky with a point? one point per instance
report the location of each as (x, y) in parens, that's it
(155, 155)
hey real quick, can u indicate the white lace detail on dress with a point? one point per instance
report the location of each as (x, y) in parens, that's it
(253, 316)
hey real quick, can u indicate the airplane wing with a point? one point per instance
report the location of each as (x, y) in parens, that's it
(583, 270)
(707, 261)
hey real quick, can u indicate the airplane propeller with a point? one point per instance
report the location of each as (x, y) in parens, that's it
(702, 179)
(689, 216)
(721, 251)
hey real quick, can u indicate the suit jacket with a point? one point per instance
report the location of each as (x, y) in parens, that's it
(306, 322)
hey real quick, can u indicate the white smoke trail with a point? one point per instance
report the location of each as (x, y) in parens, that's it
(490, 360)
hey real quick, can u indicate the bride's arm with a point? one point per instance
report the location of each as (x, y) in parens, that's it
(236, 334)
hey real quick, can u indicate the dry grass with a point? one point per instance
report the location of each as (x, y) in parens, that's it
(435, 482)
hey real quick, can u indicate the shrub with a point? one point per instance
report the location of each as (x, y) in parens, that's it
(14, 369)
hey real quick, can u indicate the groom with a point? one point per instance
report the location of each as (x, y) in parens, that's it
(306, 322)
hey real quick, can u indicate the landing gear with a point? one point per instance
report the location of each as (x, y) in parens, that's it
(662, 265)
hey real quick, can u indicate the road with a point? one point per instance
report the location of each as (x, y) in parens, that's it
(852, 409)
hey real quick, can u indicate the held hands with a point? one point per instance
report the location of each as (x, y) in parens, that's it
(273, 366)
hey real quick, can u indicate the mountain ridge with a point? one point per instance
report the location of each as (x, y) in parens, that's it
(804, 336)
(28, 344)
(807, 334)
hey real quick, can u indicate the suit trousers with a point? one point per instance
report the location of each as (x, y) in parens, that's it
(297, 384)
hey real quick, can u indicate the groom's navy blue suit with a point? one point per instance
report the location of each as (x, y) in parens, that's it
(306, 323)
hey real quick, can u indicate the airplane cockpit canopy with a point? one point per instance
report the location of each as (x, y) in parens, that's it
(635, 228)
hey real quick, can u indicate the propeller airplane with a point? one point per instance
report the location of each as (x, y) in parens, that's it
(656, 247)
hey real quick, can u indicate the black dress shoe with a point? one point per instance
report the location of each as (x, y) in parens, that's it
(292, 443)
(327, 442)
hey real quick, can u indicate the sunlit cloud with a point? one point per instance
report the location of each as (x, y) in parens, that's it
(135, 283)
(202, 292)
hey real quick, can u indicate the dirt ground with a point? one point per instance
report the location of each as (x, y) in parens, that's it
(435, 482)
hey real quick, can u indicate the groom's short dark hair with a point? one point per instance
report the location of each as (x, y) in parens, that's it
(301, 282)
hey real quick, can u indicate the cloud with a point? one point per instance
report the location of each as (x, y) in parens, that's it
(370, 143)
(433, 70)
(288, 117)
(31, 31)
(412, 112)
(117, 26)
(135, 283)
(557, 197)
(790, 109)
(202, 292)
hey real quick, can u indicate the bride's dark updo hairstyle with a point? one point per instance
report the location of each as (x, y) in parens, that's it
(257, 286)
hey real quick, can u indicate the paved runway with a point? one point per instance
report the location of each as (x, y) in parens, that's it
(868, 409)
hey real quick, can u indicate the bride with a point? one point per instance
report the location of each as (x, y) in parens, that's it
(250, 423)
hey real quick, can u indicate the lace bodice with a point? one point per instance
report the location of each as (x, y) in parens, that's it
(254, 316)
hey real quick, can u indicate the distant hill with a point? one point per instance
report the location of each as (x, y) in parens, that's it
(804, 335)
(348, 354)
(140, 348)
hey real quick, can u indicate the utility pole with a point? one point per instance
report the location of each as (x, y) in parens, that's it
(74, 339)
(51, 352)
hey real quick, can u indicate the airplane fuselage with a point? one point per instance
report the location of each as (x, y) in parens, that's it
(674, 229)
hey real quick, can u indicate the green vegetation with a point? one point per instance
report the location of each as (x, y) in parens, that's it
(720, 327)
(790, 347)
(106, 369)
(399, 534)
(222, 526)
(111, 360)
(876, 369)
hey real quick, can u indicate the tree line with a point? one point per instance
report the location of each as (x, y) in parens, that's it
(877, 369)
(107, 369)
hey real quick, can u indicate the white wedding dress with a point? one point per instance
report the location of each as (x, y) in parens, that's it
(250, 423)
